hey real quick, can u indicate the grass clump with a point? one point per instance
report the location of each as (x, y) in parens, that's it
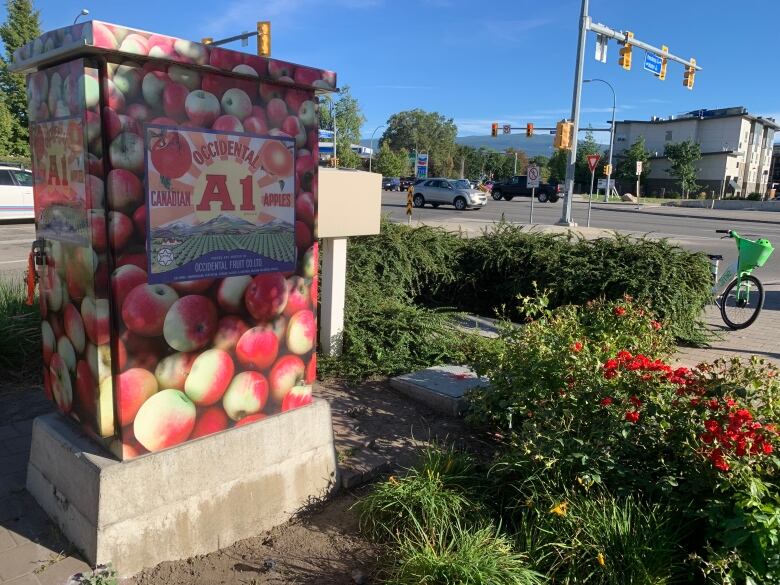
(20, 330)
(460, 555)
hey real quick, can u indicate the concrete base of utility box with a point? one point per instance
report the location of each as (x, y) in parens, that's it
(188, 500)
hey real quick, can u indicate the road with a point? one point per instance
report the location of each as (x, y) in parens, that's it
(694, 233)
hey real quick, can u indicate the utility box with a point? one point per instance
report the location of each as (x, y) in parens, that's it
(175, 188)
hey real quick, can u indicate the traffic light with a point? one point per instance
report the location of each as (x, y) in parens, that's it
(689, 75)
(529, 130)
(207, 40)
(494, 129)
(662, 75)
(607, 170)
(625, 52)
(563, 131)
(264, 38)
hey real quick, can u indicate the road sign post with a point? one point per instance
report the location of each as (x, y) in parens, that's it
(532, 180)
(409, 203)
(593, 161)
(638, 175)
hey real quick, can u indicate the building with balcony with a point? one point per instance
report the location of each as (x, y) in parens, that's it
(736, 149)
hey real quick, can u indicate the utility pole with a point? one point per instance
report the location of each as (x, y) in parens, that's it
(575, 117)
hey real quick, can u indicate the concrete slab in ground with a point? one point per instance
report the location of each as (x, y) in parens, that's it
(440, 387)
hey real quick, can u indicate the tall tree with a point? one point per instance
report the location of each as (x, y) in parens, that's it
(584, 148)
(22, 25)
(349, 120)
(626, 167)
(557, 166)
(683, 157)
(425, 132)
(391, 163)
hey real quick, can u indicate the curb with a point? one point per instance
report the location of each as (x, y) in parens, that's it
(691, 215)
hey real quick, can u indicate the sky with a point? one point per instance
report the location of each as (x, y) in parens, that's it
(484, 61)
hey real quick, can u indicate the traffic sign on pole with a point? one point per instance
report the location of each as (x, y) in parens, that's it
(507, 129)
(533, 177)
(593, 160)
(653, 63)
(638, 168)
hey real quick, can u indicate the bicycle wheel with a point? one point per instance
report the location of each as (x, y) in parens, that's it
(741, 302)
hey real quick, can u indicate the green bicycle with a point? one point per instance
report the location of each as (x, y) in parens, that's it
(739, 294)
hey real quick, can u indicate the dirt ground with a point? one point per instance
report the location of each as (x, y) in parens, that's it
(323, 546)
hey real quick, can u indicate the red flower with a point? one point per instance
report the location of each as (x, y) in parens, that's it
(619, 311)
(635, 401)
(609, 374)
(655, 325)
(712, 426)
(713, 404)
(767, 448)
(606, 401)
(624, 356)
(576, 347)
(721, 464)
(611, 365)
(730, 402)
(632, 416)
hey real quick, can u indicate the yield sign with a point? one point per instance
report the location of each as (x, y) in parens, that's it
(593, 160)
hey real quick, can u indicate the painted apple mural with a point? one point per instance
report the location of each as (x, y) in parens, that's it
(143, 365)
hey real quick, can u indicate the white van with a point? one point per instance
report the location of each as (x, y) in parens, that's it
(16, 193)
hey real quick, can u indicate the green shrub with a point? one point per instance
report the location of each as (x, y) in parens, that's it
(596, 538)
(443, 487)
(754, 196)
(20, 330)
(508, 262)
(457, 555)
(672, 195)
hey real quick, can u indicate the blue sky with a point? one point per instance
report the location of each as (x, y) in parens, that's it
(479, 61)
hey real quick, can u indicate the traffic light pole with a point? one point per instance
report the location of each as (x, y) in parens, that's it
(575, 117)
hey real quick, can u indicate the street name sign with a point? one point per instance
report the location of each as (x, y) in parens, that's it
(653, 63)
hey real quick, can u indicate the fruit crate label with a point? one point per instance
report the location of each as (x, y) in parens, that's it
(59, 180)
(220, 203)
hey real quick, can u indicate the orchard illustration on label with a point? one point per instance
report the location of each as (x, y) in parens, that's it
(220, 203)
(59, 180)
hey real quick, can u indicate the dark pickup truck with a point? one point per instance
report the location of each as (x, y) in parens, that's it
(517, 187)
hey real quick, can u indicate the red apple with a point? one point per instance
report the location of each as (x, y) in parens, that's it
(228, 123)
(294, 99)
(256, 125)
(172, 371)
(301, 332)
(202, 107)
(145, 308)
(276, 159)
(311, 370)
(229, 330)
(136, 44)
(139, 112)
(123, 280)
(292, 126)
(215, 85)
(173, 98)
(210, 420)
(303, 236)
(60, 383)
(297, 295)
(247, 394)
(164, 420)
(86, 389)
(136, 258)
(103, 37)
(266, 296)
(287, 372)
(115, 98)
(125, 191)
(74, 327)
(230, 294)
(152, 87)
(95, 314)
(187, 287)
(258, 347)
(190, 323)
(311, 262)
(209, 377)
(278, 69)
(269, 91)
(97, 225)
(139, 222)
(306, 76)
(276, 111)
(49, 341)
(251, 418)
(132, 388)
(298, 396)
(120, 230)
(127, 152)
(224, 59)
(304, 209)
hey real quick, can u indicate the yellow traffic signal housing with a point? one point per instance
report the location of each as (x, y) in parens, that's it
(607, 170)
(689, 75)
(563, 131)
(662, 74)
(207, 40)
(264, 38)
(494, 129)
(529, 130)
(625, 52)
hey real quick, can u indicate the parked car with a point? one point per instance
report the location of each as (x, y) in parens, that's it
(391, 184)
(407, 182)
(440, 191)
(16, 192)
(517, 187)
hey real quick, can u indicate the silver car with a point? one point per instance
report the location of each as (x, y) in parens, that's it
(457, 192)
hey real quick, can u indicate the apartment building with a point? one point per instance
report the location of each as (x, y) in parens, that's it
(736, 149)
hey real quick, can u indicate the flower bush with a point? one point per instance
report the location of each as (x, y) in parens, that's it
(587, 396)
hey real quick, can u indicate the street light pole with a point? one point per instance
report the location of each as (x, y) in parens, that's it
(611, 137)
(371, 154)
(84, 12)
(566, 218)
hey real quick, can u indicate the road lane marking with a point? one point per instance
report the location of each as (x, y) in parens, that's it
(26, 241)
(12, 261)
